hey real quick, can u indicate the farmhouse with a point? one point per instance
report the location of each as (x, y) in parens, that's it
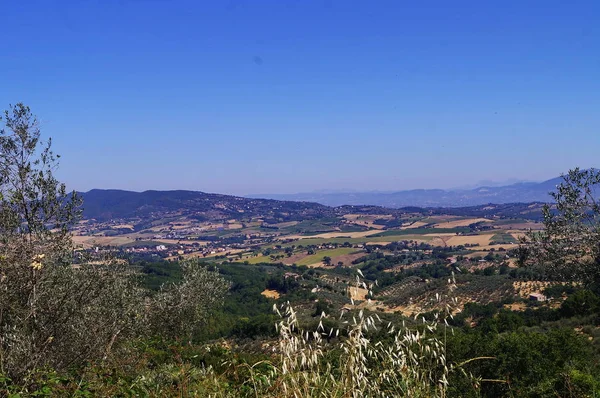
(291, 275)
(537, 297)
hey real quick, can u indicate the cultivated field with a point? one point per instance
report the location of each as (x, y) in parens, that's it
(317, 258)
(90, 241)
(481, 239)
(329, 235)
(367, 220)
(273, 294)
(416, 224)
(461, 223)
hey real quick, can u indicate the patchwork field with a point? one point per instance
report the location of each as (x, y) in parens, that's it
(461, 223)
(230, 253)
(90, 241)
(329, 235)
(360, 241)
(441, 219)
(416, 224)
(503, 237)
(285, 224)
(481, 239)
(265, 239)
(367, 220)
(123, 226)
(317, 258)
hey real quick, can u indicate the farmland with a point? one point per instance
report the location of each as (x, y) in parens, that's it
(301, 235)
(393, 246)
(332, 253)
(396, 264)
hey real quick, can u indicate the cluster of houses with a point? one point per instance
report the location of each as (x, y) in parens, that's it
(178, 250)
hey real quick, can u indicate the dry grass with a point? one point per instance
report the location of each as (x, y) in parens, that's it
(347, 259)
(411, 363)
(460, 223)
(294, 258)
(90, 241)
(358, 293)
(367, 220)
(123, 226)
(440, 241)
(316, 260)
(482, 239)
(377, 243)
(525, 288)
(234, 226)
(274, 294)
(333, 362)
(477, 252)
(285, 224)
(407, 363)
(516, 306)
(417, 224)
(408, 310)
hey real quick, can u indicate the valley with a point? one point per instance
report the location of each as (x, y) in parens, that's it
(236, 229)
(405, 250)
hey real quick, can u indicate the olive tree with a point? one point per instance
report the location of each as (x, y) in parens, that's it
(180, 310)
(52, 313)
(568, 247)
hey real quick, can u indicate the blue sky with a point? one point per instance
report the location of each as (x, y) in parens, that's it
(289, 96)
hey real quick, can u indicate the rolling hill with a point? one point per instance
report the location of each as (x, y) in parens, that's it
(105, 204)
(110, 204)
(523, 192)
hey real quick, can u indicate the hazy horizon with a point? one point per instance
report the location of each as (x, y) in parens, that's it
(478, 184)
(285, 97)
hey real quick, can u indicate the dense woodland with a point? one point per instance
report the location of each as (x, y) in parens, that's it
(132, 326)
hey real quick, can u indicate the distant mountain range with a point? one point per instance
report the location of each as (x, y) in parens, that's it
(149, 207)
(523, 192)
(107, 204)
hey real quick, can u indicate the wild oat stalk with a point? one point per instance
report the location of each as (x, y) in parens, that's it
(411, 363)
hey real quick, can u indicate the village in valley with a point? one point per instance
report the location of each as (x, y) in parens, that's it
(480, 240)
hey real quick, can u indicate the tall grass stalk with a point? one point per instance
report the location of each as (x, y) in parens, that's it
(410, 362)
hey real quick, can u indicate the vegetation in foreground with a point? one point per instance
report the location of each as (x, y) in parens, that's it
(70, 326)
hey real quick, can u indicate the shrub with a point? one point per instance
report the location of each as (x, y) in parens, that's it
(179, 310)
(583, 302)
(54, 313)
(51, 312)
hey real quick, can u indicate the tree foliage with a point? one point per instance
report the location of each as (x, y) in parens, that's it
(36, 211)
(180, 310)
(51, 313)
(569, 244)
(58, 314)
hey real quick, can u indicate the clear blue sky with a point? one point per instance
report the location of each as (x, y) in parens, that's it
(290, 96)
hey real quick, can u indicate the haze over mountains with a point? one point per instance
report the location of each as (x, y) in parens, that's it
(523, 192)
(107, 204)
